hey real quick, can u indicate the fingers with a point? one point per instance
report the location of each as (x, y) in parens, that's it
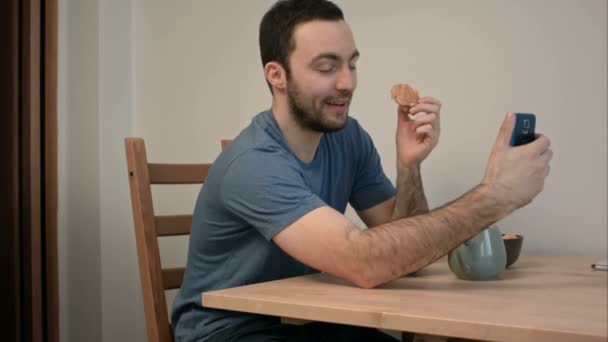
(426, 105)
(426, 119)
(546, 156)
(430, 100)
(425, 108)
(540, 145)
(506, 129)
(427, 125)
(427, 133)
(425, 129)
(545, 159)
(405, 110)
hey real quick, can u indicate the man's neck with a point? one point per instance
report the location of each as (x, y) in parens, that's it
(302, 141)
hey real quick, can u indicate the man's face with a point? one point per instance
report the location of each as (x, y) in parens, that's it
(322, 75)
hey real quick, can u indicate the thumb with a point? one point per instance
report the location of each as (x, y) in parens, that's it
(506, 130)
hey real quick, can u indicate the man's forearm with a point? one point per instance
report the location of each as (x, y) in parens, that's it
(410, 199)
(403, 246)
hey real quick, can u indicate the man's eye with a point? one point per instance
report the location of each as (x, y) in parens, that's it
(352, 67)
(326, 69)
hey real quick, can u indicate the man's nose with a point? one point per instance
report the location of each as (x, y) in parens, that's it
(346, 79)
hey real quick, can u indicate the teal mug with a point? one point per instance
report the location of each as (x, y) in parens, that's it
(482, 257)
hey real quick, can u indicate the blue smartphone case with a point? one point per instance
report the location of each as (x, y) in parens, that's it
(523, 133)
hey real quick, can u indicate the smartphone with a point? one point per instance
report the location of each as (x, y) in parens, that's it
(523, 133)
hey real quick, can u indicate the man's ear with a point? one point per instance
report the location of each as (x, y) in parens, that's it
(275, 74)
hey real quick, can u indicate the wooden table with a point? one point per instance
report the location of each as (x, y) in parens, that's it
(538, 299)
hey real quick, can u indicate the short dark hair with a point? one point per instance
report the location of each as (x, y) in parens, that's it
(277, 26)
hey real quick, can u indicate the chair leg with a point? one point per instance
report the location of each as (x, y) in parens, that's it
(412, 337)
(429, 338)
(407, 336)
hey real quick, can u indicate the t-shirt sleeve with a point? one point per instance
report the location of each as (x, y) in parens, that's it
(371, 186)
(266, 190)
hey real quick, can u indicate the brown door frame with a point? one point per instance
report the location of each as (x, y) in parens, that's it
(10, 262)
(50, 178)
(28, 172)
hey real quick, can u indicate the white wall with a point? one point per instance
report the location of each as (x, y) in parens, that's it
(185, 74)
(79, 205)
(100, 296)
(199, 79)
(122, 308)
(483, 58)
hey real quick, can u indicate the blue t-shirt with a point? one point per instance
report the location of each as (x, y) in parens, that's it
(256, 188)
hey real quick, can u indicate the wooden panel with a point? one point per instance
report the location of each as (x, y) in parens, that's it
(178, 173)
(172, 277)
(50, 171)
(31, 171)
(10, 251)
(172, 225)
(556, 299)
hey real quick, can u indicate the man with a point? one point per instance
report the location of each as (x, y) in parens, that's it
(273, 204)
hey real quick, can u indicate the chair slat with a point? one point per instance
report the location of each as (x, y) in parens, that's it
(151, 275)
(225, 143)
(172, 277)
(148, 227)
(178, 173)
(173, 225)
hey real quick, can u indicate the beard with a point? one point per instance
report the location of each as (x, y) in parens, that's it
(310, 117)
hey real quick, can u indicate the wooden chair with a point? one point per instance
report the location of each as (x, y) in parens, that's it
(149, 227)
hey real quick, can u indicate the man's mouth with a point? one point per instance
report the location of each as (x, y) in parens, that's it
(342, 103)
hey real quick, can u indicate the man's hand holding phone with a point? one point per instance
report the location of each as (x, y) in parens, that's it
(516, 174)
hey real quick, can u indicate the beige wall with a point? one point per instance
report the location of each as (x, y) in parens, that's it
(185, 74)
(100, 296)
(79, 216)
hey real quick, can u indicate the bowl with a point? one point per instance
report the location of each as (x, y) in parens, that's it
(513, 243)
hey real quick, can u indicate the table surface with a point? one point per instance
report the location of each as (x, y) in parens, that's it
(540, 298)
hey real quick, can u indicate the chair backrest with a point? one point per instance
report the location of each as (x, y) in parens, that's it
(149, 227)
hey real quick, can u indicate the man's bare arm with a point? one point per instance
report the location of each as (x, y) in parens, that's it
(415, 139)
(327, 241)
(422, 239)
(409, 200)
